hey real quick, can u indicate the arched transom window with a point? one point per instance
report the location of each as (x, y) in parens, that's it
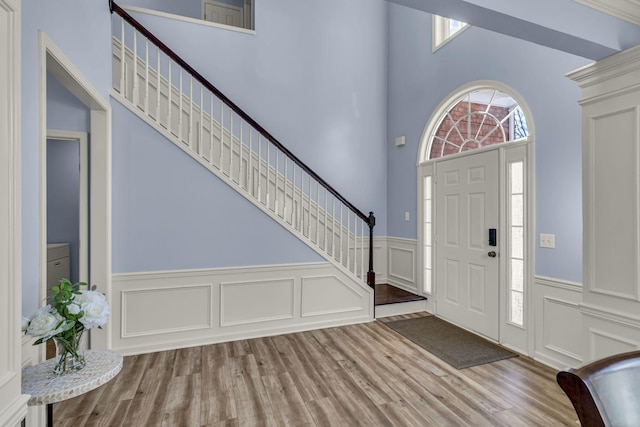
(479, 118)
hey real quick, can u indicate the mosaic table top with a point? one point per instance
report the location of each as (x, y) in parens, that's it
(45, 387)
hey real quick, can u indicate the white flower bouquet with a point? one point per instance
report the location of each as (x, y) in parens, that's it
(64, 320)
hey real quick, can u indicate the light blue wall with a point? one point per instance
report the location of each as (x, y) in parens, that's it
(314, 75)
(170, 213)
(419, 80)
(64, 112)
(81, 29)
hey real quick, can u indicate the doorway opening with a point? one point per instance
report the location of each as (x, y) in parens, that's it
(475, 184)
(98, 268)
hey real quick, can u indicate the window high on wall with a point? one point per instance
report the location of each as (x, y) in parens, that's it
(477, 119)
(444, 29)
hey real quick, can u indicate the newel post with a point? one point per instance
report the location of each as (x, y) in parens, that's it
(371, 275)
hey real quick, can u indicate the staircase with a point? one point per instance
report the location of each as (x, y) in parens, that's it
(161, 88)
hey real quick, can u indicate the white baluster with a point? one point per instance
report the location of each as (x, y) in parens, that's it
(309, 210)
(286, 186)
(333, 226)
(200, 135)
(326, 223)
(146, 77)
(123, 60)
(260, 168)
(240, 155)
(341, 238)
(362, 249)
(170, 100)
(180, 108)
(268, 165)
(231, 145)
(190, 130)
(277, 180)
(221, 136)
(136, 94)
(349, 238)
(158, 87)
(250, 167)
(317, 213)
(294, 212)
(301, 203)
(211, 129)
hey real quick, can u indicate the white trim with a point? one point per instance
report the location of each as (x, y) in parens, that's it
(163, 274)
(53, 61)
(558, 283)
(187, 19)
(438, 36)
(13, 404)
(609, 315)
(628, 10)
(83, 225)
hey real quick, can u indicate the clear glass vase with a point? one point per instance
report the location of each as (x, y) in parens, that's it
(69, 353)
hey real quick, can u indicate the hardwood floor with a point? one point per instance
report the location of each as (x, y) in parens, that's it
(387, 294)
(363, 374)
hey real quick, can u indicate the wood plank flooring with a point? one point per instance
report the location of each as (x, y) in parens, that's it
(387, 294)
(365, 375)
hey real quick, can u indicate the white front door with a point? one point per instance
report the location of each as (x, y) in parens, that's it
(467, 267)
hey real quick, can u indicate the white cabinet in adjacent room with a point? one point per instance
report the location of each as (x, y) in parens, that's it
(57, 264)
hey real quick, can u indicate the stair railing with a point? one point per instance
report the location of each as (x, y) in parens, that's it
(207, 124)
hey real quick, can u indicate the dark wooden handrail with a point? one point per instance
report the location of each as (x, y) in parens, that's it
(178, 60)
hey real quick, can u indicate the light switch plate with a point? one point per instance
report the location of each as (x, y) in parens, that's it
(400, 141)
(406, 216)
(547, 241)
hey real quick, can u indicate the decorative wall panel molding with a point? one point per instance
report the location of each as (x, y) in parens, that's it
(158, 311)
(192, 303)
(329, 295)
(402, 263)
(603, 344)
(260, 300)
(557, 322)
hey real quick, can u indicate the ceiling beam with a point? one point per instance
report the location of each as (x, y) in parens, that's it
(559, 24)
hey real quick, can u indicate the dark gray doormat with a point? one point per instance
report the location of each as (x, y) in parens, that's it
(459, 348)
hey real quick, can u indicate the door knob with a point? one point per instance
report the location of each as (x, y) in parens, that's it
(492, 254)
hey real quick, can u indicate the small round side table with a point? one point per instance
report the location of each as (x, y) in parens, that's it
(46, 388)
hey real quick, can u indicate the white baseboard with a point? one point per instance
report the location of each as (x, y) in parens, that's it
(158, 311)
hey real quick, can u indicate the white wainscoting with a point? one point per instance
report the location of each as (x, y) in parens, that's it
(379, 258)
(157, 311)
(402, 263)
(607, 332)
(558, 322)
(31, 355)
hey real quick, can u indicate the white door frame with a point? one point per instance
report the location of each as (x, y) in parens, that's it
(525, 344)
(83, 249)
(13, 404)
(52, 60)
